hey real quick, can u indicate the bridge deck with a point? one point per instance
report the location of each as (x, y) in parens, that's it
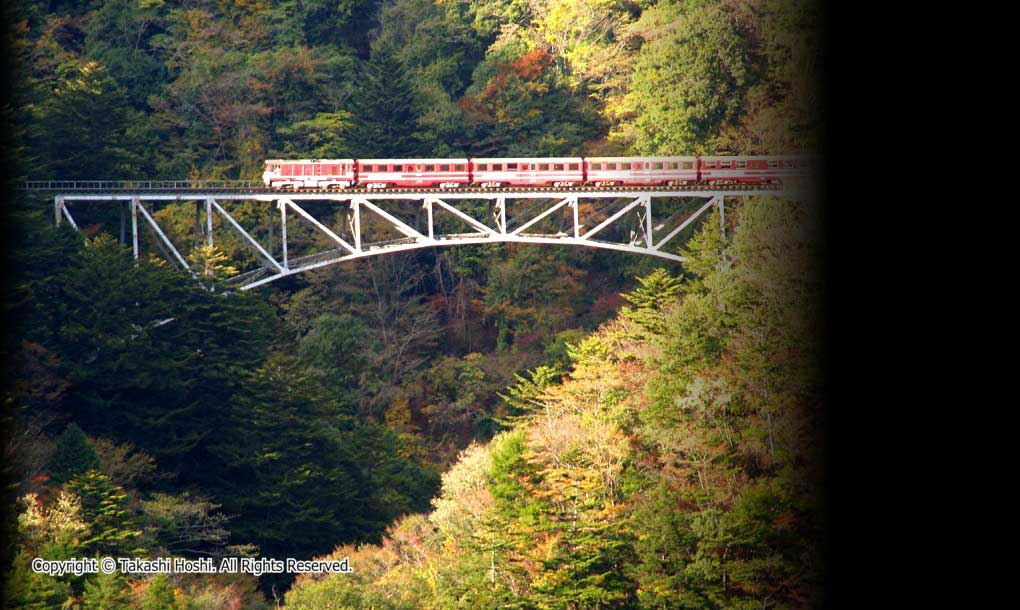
(621, 217)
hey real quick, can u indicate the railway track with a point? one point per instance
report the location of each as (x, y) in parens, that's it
(257, 188)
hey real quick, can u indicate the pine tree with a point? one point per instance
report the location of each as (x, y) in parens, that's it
(159, 595)
(104, 505)
(107, 592)
(384, 117)
(26, 590)
(73, 456)
(656, 290)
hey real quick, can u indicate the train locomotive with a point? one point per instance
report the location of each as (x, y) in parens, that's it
(503, 172)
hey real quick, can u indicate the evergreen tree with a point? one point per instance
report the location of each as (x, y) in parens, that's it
(87, 130)
(153, 356)
(73, 456)
(300, 471)
(24, 589)
(107, 592)
(159, 595)
(104, 506)
(385, 121)
(654, 293)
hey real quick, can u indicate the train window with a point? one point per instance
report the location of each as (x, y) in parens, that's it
(543, 167)
(398, 168)
(444, 168)
(511, 167)
(657, 165)
(573, 166)
(483, 167)
(625, 166)
(688, 164)
(610, 166)
(558, 167)
(430, 168)
(461, 167)
(497, 167)
(740, 164)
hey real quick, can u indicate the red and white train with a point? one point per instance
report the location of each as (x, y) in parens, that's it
(518, 172)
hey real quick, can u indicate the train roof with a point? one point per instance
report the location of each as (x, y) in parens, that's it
(689, 158)
(527, 159)
(754, 157)
(412, 160)
(309, 160)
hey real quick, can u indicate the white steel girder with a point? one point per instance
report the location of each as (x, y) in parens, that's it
(641, 241)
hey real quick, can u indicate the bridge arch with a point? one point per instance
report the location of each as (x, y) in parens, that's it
(642, 220)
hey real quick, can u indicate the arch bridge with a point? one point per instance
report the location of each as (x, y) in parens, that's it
(288, 232)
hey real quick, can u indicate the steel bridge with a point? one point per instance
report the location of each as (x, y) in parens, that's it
(355, 223)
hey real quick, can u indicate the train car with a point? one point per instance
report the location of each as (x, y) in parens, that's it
(751, 169)
(609, 171)
(444, 173)
(506, 171)
(309, 173)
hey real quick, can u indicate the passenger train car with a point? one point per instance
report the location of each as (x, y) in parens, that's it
(524, 172)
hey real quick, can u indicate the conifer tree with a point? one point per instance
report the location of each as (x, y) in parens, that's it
(107, 592)
(159, 595)
(385, 121)
(656, 290)
(73, 456)
(104, 506)
(24, 589)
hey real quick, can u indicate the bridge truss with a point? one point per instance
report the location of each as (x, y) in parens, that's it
(339, 226)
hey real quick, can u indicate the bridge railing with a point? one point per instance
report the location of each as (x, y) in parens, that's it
(140, 185)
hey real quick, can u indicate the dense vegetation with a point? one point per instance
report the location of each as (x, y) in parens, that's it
(475, 427)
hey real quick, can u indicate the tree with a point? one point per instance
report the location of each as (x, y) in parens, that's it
(649, 299)
(87, 131)
(182, 524)
(159, 595)
(25, 589)
(688, 83)
(107, 592)
(334, 348)
(131, 332)
(114, 530)
(73, 456)
(301, 473)
(525, 110)
(383, 112)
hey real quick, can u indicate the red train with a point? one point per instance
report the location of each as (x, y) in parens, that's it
(552, 171)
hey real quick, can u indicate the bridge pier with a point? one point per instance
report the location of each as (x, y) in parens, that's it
(134, 225)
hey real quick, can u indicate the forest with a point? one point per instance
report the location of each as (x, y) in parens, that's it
(498, 426)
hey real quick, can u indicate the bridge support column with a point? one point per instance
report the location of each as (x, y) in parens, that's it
(577, 227)
(428, 208)
(356, 229)
(269, 221)
(648, 221)
(722, 215)
(134, 226)
(283, 231)
(208, 221)
(198, 223)
(123, 222)
(501, 209)
(58, 204)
